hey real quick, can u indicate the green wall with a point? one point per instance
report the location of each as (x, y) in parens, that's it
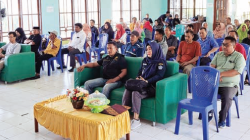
(50, 19)
(106, 10)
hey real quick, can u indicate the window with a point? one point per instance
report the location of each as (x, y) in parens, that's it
(125, 9)
(187, 9)
(77, 11)
(20, 13)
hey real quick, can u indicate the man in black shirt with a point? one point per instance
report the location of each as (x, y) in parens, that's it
(247, 40)
(161, 19)
(190, 27)
(34, 40)
(114, 69)
(93, 28)
(148, 19)
(172, 43)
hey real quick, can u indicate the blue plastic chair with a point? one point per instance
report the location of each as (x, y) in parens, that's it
(153, 34)
(93, 39)
(72, 33)
(205, 83)
(247, 49)
(81, 56)
(50, 62)
(219, 41)
(103, 40)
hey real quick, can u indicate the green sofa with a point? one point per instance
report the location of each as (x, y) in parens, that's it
(169, 91)
(18, 66)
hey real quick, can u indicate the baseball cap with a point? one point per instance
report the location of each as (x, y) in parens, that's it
(54, 32)
(135, 33)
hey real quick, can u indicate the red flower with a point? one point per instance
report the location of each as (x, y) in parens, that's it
(74, 98)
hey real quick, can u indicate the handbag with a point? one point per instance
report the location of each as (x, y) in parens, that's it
(136, 85)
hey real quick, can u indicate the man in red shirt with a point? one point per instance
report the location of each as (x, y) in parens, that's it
(239, 48)
(188, 52)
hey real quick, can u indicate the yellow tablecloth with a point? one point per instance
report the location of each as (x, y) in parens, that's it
(59, 116)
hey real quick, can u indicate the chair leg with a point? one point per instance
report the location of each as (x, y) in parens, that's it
(237, 106)
(178, 117)
(205, 125)
(189, 85)
(153, 124)
(85, 57)
(52, 65)
(216, 119)
(48, 67)
(200, 116)
(80, 60)
(228, 119)
(190, 117)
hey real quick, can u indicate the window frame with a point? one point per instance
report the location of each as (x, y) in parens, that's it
(20, 18)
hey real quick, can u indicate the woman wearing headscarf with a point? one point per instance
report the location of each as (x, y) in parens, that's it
(148, 31)
(219, 31)
(152, 69)
(108, 30)
(242, 32)
(88, 33)
(125, 27)
(176, 20)
(21, 37)
(140, 31)
(120, 36)
(229, 28)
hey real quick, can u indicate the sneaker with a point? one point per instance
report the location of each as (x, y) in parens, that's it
(64, 67)
(221, 124)
(135, 124)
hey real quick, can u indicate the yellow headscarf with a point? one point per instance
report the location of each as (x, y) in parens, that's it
(242, 34)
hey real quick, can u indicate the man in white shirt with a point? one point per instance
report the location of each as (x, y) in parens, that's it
(11, 48)
(75, 46)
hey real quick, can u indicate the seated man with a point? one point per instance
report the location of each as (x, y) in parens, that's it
(230, 63)
(160, 39)
(51, 51)
(93, 28)
(188, 53)
(239, 48)
(34, 40)
(190, 27)
(75, 46)
(114, 69)
(11, 48)
(134, 47)
(208, 47)
(172, 43)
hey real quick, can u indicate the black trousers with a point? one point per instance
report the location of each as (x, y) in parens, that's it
(71, 55)
(40, 59)
(204, 61)
(227, 94)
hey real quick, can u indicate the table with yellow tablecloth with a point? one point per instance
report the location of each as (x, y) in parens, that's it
(59, 116)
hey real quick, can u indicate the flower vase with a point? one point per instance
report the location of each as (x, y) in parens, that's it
(77, 104)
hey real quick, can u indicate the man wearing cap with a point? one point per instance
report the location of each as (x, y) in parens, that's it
(134, 48)
(51, 51)
(34, 40)
(75, 46)
(114, 68)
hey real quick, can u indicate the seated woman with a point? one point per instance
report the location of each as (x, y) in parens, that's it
(229, 28)
(21, 37)
(88, 33)
(120, 36)
(152, 70)
(219, 31)
(106, 28)
(125, 27)
(176, 20)
(148, 31)
(242, 32)
(140, 31)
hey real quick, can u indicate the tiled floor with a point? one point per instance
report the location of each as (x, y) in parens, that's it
(16, 114)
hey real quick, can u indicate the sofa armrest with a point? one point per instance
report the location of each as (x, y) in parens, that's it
(88, 73)
(169, 92)
(18, 66)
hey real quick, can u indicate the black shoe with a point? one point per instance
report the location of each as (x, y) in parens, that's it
(72, 69)
(35, 77)
(64, 67)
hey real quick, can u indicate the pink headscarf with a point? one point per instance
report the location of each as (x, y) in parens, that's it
(86, 28)
(219, 33)
(138, 27)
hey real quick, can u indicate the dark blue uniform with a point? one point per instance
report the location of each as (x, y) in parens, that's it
(159, 74)
(135, 50)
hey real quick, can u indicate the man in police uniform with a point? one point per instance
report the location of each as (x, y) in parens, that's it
(34, 40)
(114, 69)
(134, 47)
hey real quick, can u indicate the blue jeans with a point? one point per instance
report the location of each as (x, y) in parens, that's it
(90, 85)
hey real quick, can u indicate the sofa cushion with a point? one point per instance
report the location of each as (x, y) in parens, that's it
(25, 48)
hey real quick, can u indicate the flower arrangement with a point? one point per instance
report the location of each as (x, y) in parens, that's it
(77, 97)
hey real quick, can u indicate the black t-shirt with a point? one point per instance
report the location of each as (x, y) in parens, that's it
(37, 40)
(246, 41)
(112, 66)
(196, 37)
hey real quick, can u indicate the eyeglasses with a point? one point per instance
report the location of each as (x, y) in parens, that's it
(226, 44)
